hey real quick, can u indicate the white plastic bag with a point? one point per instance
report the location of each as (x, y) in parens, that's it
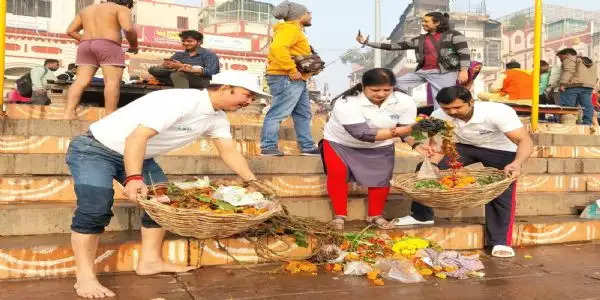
(358, 268)
(198, 184)
(399, 269)
(428, 170)
(238, 196)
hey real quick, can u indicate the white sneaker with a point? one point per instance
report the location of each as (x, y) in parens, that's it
(409, 220)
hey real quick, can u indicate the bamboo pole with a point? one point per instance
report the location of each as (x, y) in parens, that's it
(537, 51)
(2, 51)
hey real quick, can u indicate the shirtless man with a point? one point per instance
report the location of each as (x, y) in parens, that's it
(100, 46)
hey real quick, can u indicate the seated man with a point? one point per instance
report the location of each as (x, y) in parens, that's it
(192, 68)
(39, 81)
(514, 84)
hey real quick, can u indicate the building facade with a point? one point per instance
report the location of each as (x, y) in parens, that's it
(563, 27)
(36, 31)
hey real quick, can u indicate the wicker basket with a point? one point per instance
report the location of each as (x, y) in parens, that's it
(202, 224)
(457, 198)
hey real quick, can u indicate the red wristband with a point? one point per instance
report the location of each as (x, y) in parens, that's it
(133, 177)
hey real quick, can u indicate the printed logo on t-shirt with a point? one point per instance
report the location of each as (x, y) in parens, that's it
(485, 131)
(183, 128)
(395, 116)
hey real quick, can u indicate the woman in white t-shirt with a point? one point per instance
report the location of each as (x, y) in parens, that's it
(358, 142)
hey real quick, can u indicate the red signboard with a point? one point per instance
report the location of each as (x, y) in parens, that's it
(152, 34)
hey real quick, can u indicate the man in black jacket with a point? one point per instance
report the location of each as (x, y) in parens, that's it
(442, 54)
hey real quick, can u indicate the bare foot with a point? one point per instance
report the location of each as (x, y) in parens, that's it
(92, 289)
(151, 268)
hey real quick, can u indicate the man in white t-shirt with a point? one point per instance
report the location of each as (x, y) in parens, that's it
(122, 146)
(490, 133)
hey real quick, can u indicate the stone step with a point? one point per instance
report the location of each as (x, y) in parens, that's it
(44, 256)
(54, 112)
(62, 128)
(563, 129)
(48, 144)
(565, 139)
(49, 217)
(200, 147)
(54, 164)
(51, 201)
(90, 114)
(25, 189)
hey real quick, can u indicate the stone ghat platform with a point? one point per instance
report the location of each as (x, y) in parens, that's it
(51, 256)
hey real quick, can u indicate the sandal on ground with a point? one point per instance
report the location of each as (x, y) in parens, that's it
(503, 251)
(380, 222)
(337, 223)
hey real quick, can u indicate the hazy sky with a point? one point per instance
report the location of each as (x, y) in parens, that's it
(335, 23)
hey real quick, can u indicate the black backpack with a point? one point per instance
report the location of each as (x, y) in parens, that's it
(25, 86)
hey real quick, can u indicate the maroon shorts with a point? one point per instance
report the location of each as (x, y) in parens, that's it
(99, 52)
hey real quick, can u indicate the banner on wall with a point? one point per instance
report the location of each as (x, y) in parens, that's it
(171, 36)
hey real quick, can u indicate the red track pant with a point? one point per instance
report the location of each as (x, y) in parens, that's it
(337, 186)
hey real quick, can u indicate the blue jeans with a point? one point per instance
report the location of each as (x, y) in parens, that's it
(572, 97)
(289, 97)
(93, 167)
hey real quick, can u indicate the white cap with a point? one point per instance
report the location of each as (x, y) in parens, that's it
(241, 79)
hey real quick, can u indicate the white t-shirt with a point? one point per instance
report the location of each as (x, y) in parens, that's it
(487, 127)
(178, 115)
(398, 108)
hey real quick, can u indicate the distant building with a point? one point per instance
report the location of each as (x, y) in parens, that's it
(36, 31)
(563, 27)
(552, 13)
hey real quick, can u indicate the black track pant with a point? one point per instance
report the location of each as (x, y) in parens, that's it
(500, 212)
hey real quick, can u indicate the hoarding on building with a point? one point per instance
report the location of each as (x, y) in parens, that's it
(157, 35)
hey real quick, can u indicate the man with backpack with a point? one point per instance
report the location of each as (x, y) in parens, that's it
(34, 84)
(577, 80)
(288, 69)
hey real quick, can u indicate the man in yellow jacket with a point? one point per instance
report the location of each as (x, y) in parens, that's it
(287, 85)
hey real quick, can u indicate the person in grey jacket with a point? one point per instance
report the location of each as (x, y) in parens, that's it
(442, 54)
(578, 78)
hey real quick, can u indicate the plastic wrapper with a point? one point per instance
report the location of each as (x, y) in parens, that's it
(456, 264)
(238, 196)
(399, 269)
(591, 211)
(198, 184)
(428, 170)
(357, 268)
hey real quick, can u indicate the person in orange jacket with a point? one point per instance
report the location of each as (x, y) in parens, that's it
(515, 85)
